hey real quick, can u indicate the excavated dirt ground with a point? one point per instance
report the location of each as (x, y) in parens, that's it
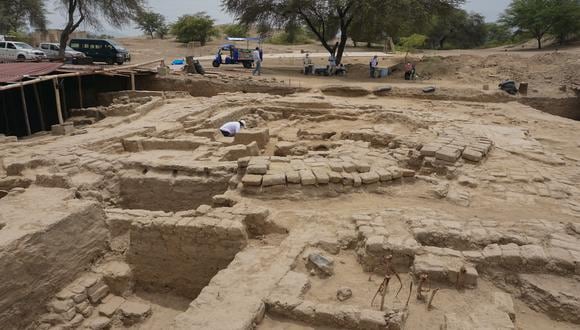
(149, 219)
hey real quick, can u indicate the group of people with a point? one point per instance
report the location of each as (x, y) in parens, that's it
(332, 69)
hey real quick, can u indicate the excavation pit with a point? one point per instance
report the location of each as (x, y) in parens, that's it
(186, 229)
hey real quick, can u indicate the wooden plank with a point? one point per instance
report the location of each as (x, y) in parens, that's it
(25, 109)
(5, 112)
(39, 107)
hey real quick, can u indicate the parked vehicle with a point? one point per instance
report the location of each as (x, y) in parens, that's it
(235, 54)
(52, 51)
(19, 51)
(101, 50)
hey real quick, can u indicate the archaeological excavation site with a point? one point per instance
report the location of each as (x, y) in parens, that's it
(122, 206)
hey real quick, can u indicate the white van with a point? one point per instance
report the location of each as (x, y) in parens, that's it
(19, 51)
(52, 51)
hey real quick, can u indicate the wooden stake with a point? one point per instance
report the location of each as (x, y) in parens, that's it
(25, 109)
(57, 97)
(63, 100)
(433, 293)
(81, 101)
(39, 107)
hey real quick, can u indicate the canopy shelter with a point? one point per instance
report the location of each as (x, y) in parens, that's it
(14, 72)
(247, 40)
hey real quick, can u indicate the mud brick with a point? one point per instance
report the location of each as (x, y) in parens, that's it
(133, 312)
(77, 320)
(369, 177)
(97, 292)
(533, 255)
(252, 180)
(349, 167)
(336, 166)
(69, 315)
(448, 154)
(260, 168)
(453, 322)
(492, 254)
(407, 173)
(243, 162)
(511, 256)
(293, 177)
(357, 181)
(375, 243)
(110, 305)
(98, 323)
(321, 176)
(430, 149)
(362, 167)
(385, 175)
(307, 178)
(396, 172)
(274, 180)
(60, 306)
(335, 177)
(347, 179)
(560, 258)
(471, 276)
(472, 155)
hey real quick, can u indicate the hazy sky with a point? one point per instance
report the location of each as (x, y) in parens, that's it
(175, 8)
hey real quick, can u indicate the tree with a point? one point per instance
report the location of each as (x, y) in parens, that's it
(197, 27)
(498, 34)
(91, 12)
(458, 29)
(17, 14)
(236, 30)
(567, 20)
(151, 23)
(325, 18)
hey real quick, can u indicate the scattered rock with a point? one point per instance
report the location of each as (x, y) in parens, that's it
(322, 263)
(343, 294)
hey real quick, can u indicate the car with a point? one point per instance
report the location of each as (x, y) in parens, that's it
(19, 51)
(52, 51)
(101, 50)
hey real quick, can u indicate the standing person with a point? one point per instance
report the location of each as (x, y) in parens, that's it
(374, 65)
(331, 64)
(232, 128)
(308, 64)
(409, 71)
(257, 62)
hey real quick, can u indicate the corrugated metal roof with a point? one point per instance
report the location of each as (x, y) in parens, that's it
(14, 72)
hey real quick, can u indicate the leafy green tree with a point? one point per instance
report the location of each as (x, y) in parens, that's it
(15, 15)
(151, 23)
(412, 42)
(540, 17)
(326, 18)
(197, 27)
(498, 34)
(92, 12)
(567, 20)
(236, 30)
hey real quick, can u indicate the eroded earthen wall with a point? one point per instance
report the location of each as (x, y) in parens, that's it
(182, 254)
(37, 265)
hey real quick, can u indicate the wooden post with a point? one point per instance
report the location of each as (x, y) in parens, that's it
(81, 100)
(57, 97)
(25, 109)
(65, 108)
(5, 112)
(132, 81)
(39, 107)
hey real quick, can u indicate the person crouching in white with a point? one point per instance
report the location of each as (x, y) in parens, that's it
(232, 128)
